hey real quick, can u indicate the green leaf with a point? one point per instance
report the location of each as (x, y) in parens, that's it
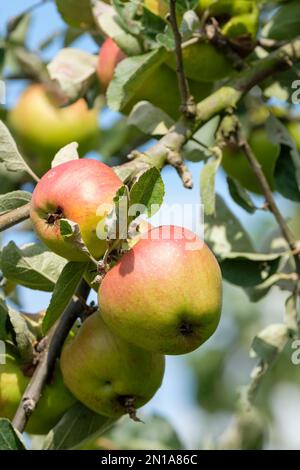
(198, 148)
(149, 119)
(22, 337)
(3, 320)
(77, 13)
(285, 24)
(74, 70)
(287, 170)
(70, 231)
(65, 154)
(18, 28)
(285, 177)
(148, 192)
(75, 427)
(270, 342)
(156, 434)
(292, 314)
(10, 155)
(249, 269)
(128, 76)
(207, 184)
(224, 233)
(240, 195)
(32, 266)
(109, 23)
(10, 438)
(13, 200)
(63, 292)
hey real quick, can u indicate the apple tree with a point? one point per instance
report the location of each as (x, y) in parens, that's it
(206, 87)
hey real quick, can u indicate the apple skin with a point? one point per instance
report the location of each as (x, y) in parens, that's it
(102, 370)
(55, 400)
(75, 190)
(109, 56)
(162, 78)
(236, 165)
(41, 127)
(226, 7)
(163, 296)
(203, 62)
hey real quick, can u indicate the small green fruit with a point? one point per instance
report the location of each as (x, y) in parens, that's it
(41, 127)
(107, 374)
(55, 400)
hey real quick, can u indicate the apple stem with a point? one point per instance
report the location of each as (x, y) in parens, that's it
(131, 410)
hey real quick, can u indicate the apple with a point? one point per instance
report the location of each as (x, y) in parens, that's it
(165, 294)
(106, 373)
(158, 7)
(109, 56)
(54, 402)
(203, 62)
(226, 7)
(236, 164)
(151, 89)
(41, 127)
(78, 190)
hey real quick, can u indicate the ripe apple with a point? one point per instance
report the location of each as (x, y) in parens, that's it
(109, 56)
(151, 89)
(165, 294)
(236, 164)
(74, 190)
(55, 401)
(107, 374)
(41, 127)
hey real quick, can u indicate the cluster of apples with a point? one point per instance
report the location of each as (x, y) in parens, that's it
(163, 296)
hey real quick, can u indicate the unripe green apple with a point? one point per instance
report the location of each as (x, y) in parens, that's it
(158, 7)
(203, 62)
(236, 164)
(226, 7)
(54, 402)
(152, 88)
(165, 294)
(81, 191)
(41, 127)
(107, 374)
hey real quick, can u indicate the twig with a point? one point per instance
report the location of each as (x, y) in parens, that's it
(187, 103)
(272, 206)
(14, 217)
(53, 344)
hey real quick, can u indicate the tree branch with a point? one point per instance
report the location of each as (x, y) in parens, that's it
(272, 206)
(52, 343)
(187, 103)
(14, 217)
